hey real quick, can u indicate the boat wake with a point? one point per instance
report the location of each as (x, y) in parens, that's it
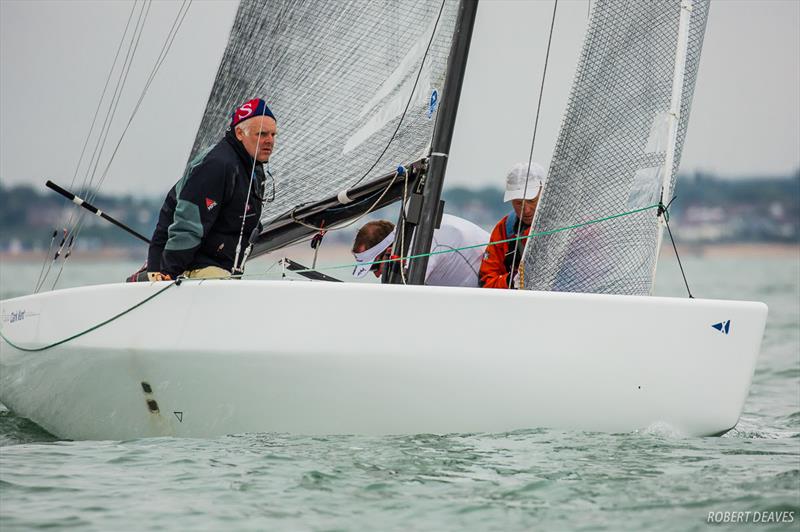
(662, 429)
(749, 429)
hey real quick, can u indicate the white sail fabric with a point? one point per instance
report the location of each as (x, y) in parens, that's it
(611, 151)
(338, 75)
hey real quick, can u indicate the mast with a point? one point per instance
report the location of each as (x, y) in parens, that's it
(442, 135)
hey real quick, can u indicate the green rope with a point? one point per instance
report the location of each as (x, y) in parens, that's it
(90, 329)
(531, 235)
(410, 257)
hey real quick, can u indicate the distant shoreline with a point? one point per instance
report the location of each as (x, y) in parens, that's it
(115, 254)
(735, 249)
(739, 249)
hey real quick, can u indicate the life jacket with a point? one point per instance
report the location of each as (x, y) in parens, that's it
(499, 260)
(514, 253)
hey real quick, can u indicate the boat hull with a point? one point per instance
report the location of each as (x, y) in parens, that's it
(209, 358)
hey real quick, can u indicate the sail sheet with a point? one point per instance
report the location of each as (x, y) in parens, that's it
(612, 150)
(338, 76)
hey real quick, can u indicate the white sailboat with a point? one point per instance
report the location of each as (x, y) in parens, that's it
(213, 357)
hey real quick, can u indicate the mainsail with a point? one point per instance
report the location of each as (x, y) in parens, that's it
(338, 76)
(618, 149)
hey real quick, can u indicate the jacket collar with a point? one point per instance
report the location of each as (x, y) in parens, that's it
(512, 222)
(244, 157)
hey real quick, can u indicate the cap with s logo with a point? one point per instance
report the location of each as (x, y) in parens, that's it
(250, 109)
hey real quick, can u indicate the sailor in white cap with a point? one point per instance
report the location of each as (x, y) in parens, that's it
(524, 185)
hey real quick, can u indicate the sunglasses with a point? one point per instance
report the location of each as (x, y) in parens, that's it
(386, 255)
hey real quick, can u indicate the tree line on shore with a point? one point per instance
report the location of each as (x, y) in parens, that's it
(708, 209)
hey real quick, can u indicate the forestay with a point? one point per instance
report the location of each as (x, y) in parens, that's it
(338, 76)
(614, 149)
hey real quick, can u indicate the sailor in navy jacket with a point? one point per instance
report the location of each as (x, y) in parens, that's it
(200, 223)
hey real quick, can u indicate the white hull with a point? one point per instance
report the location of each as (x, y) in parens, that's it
(225, 357)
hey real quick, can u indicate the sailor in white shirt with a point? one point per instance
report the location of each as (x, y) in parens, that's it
(456, 267)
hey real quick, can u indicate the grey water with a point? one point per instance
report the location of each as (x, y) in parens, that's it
(532, 478)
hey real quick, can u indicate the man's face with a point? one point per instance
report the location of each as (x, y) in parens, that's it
(525, 209)
(377, 269)
(257, 135)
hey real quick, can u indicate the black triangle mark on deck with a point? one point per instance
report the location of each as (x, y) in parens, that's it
(727, 326)
(718, 326)
(179, 415)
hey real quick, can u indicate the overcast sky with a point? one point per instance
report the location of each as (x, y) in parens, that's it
(55, 56)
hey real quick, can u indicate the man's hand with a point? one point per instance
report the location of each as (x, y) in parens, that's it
(158, 276)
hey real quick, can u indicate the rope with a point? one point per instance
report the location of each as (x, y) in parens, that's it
(90, 329)
(482, 245)
(661, 207)
(404, 218)
(533, 139)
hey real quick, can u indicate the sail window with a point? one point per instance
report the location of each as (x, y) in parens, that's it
(645, 189)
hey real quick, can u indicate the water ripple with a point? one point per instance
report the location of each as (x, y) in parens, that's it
(653, 479)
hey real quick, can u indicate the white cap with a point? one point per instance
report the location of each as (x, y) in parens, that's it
(368, 256)
(515, 181)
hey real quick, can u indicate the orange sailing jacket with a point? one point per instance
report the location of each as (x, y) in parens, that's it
(497, 260)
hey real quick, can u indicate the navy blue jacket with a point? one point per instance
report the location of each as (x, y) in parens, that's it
(201, 218)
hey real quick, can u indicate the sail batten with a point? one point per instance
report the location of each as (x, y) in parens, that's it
(618, 149)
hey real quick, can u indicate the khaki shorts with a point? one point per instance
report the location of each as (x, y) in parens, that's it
(209, 272)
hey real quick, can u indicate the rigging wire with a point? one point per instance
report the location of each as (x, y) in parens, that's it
(104, 132)
(165, 48)
(664, 209)
(75, 212)
(102, 96)
(76, 225)
(171, 34)
(133, 47)
(45, 260)
(533, 140)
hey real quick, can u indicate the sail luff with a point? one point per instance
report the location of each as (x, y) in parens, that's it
(681, 52)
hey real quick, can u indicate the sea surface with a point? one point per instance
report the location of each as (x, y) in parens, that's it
(532, 478)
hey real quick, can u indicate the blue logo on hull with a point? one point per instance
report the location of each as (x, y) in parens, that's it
(724, 326)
